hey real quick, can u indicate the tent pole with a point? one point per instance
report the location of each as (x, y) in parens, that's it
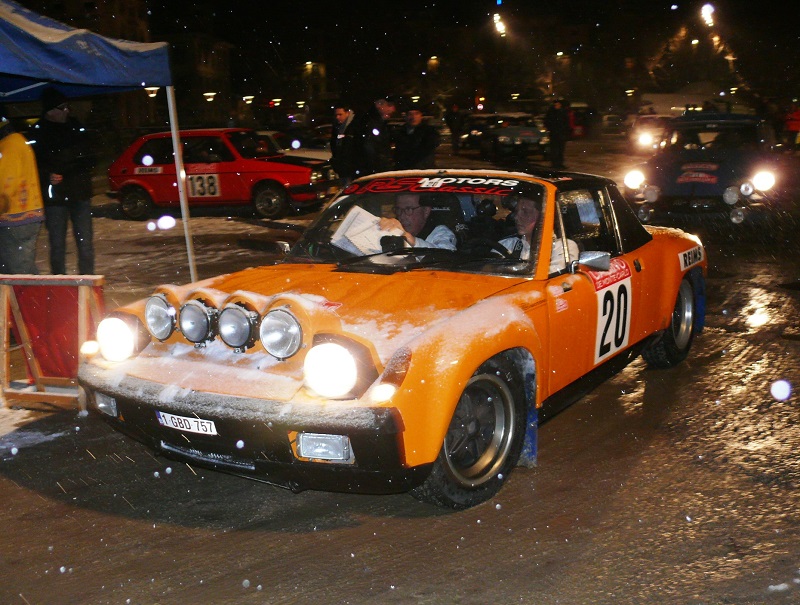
(180, 172)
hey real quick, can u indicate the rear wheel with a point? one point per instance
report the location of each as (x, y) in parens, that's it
(135, 203)
(674, 345)
(483, 441)
(269, 201)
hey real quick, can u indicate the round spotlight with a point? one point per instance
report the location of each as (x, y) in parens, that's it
(330, 370)
(197, 321)
(159, 316)
(236, 327)
(634, 179)
(764, 181)
(116, 339)
(747, 188)
(281, 334)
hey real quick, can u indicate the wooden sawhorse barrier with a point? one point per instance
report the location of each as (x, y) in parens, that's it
(74, 305)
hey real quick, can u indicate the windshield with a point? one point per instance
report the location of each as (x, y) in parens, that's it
(703, 137)
(402, 223)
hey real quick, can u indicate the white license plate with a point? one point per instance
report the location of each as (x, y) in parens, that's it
(188, 425)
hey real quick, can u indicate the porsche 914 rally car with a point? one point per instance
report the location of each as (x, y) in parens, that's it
(224, 167)
(360, 363)
(710, 164)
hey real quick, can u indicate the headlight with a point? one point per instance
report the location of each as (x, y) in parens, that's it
(504, 140)
(317, 175)
(281, 334)
(764, 180)
(330, 370)
(646, 139)
(197, 321)
(159, 316)
(634, 179)
(236, 327)
(116, 339)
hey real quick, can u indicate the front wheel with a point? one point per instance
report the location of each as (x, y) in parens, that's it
(483, 441)
(135, 203)
(269, 201)
(674, 345)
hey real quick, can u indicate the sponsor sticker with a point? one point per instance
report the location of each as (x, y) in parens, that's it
(690, 257)
(148, 170)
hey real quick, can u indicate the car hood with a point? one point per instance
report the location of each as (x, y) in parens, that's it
(388, 310)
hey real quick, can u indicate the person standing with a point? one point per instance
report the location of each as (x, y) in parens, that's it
(21, 208)
(416, 142)
(455, 122)
(66, 160)
(557, 122)
(373, 138)
(342, 143)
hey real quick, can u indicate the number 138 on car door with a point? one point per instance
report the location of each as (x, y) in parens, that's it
(613, 289)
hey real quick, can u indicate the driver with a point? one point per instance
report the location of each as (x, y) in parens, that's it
(412, 219)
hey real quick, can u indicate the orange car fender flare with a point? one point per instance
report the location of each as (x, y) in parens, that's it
(442, 362)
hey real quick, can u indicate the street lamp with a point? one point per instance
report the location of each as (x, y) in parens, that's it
(209, 96)
(707, 13)
(499, 25)
(151, 91)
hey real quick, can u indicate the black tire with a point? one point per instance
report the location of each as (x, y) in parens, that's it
(269, 201)
(483, 442)
(673, 346)
(135, 203)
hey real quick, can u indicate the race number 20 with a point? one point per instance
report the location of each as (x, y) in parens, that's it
(613, 311)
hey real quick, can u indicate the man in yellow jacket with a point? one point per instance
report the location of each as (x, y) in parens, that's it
(21, 208)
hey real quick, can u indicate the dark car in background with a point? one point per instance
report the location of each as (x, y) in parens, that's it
(514, 135)
(224, 167)
(647, 131)
(714, 164)
(474, 127)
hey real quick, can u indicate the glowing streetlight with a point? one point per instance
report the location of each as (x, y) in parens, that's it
(499, 25)
(151, 91)
(209, 96)
(707, 13)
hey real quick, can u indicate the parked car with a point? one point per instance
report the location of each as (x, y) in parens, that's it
(224, 167)
(356, 364)
(714, 164)
(514, 135)
(474, 126)
(282, 143)
(646, 132)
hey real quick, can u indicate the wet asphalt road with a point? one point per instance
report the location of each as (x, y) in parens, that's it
(674, 487)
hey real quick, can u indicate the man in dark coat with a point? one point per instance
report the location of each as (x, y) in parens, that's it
(373, 138)
(416, 142)
(65, 158)
(557, 122)
(343, 142)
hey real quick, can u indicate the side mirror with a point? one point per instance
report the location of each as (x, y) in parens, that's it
(284, 247)
(594, 259)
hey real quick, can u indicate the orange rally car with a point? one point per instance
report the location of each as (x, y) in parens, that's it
(373, 359)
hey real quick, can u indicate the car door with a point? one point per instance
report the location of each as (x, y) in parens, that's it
(211, 175)
(590, 312)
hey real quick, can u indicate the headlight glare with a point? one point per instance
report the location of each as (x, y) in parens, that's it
(747, 188)
(646, 139)
(764, 180)
(634, 179)
(116, 339)
(159, 316)
(197, 321)
(236, 326)
(281, 334)
(330, 370)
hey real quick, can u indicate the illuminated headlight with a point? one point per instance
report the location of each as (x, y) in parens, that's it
(281, 334)
(764, 181)
(323, 447)
(317, 176)
(504, 140)
(747, 188)
(197, 321)
(731, 195)
(116, 339)
(652, 193)
(159, 316)
(330, 370)
(646, 139)
(634, 179)
(237, 326)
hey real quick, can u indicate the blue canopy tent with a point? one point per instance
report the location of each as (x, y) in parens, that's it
(36, 52)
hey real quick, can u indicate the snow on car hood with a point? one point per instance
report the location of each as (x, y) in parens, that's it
(388, 310)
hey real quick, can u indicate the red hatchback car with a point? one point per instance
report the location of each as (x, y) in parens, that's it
(224, 166)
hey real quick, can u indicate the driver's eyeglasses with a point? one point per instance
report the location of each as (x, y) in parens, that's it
(407, 210)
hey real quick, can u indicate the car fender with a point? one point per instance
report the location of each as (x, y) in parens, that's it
(443, 359)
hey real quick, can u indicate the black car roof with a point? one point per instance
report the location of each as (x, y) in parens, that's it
(701, 117)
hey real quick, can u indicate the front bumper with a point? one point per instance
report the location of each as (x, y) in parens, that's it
(255, 436)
